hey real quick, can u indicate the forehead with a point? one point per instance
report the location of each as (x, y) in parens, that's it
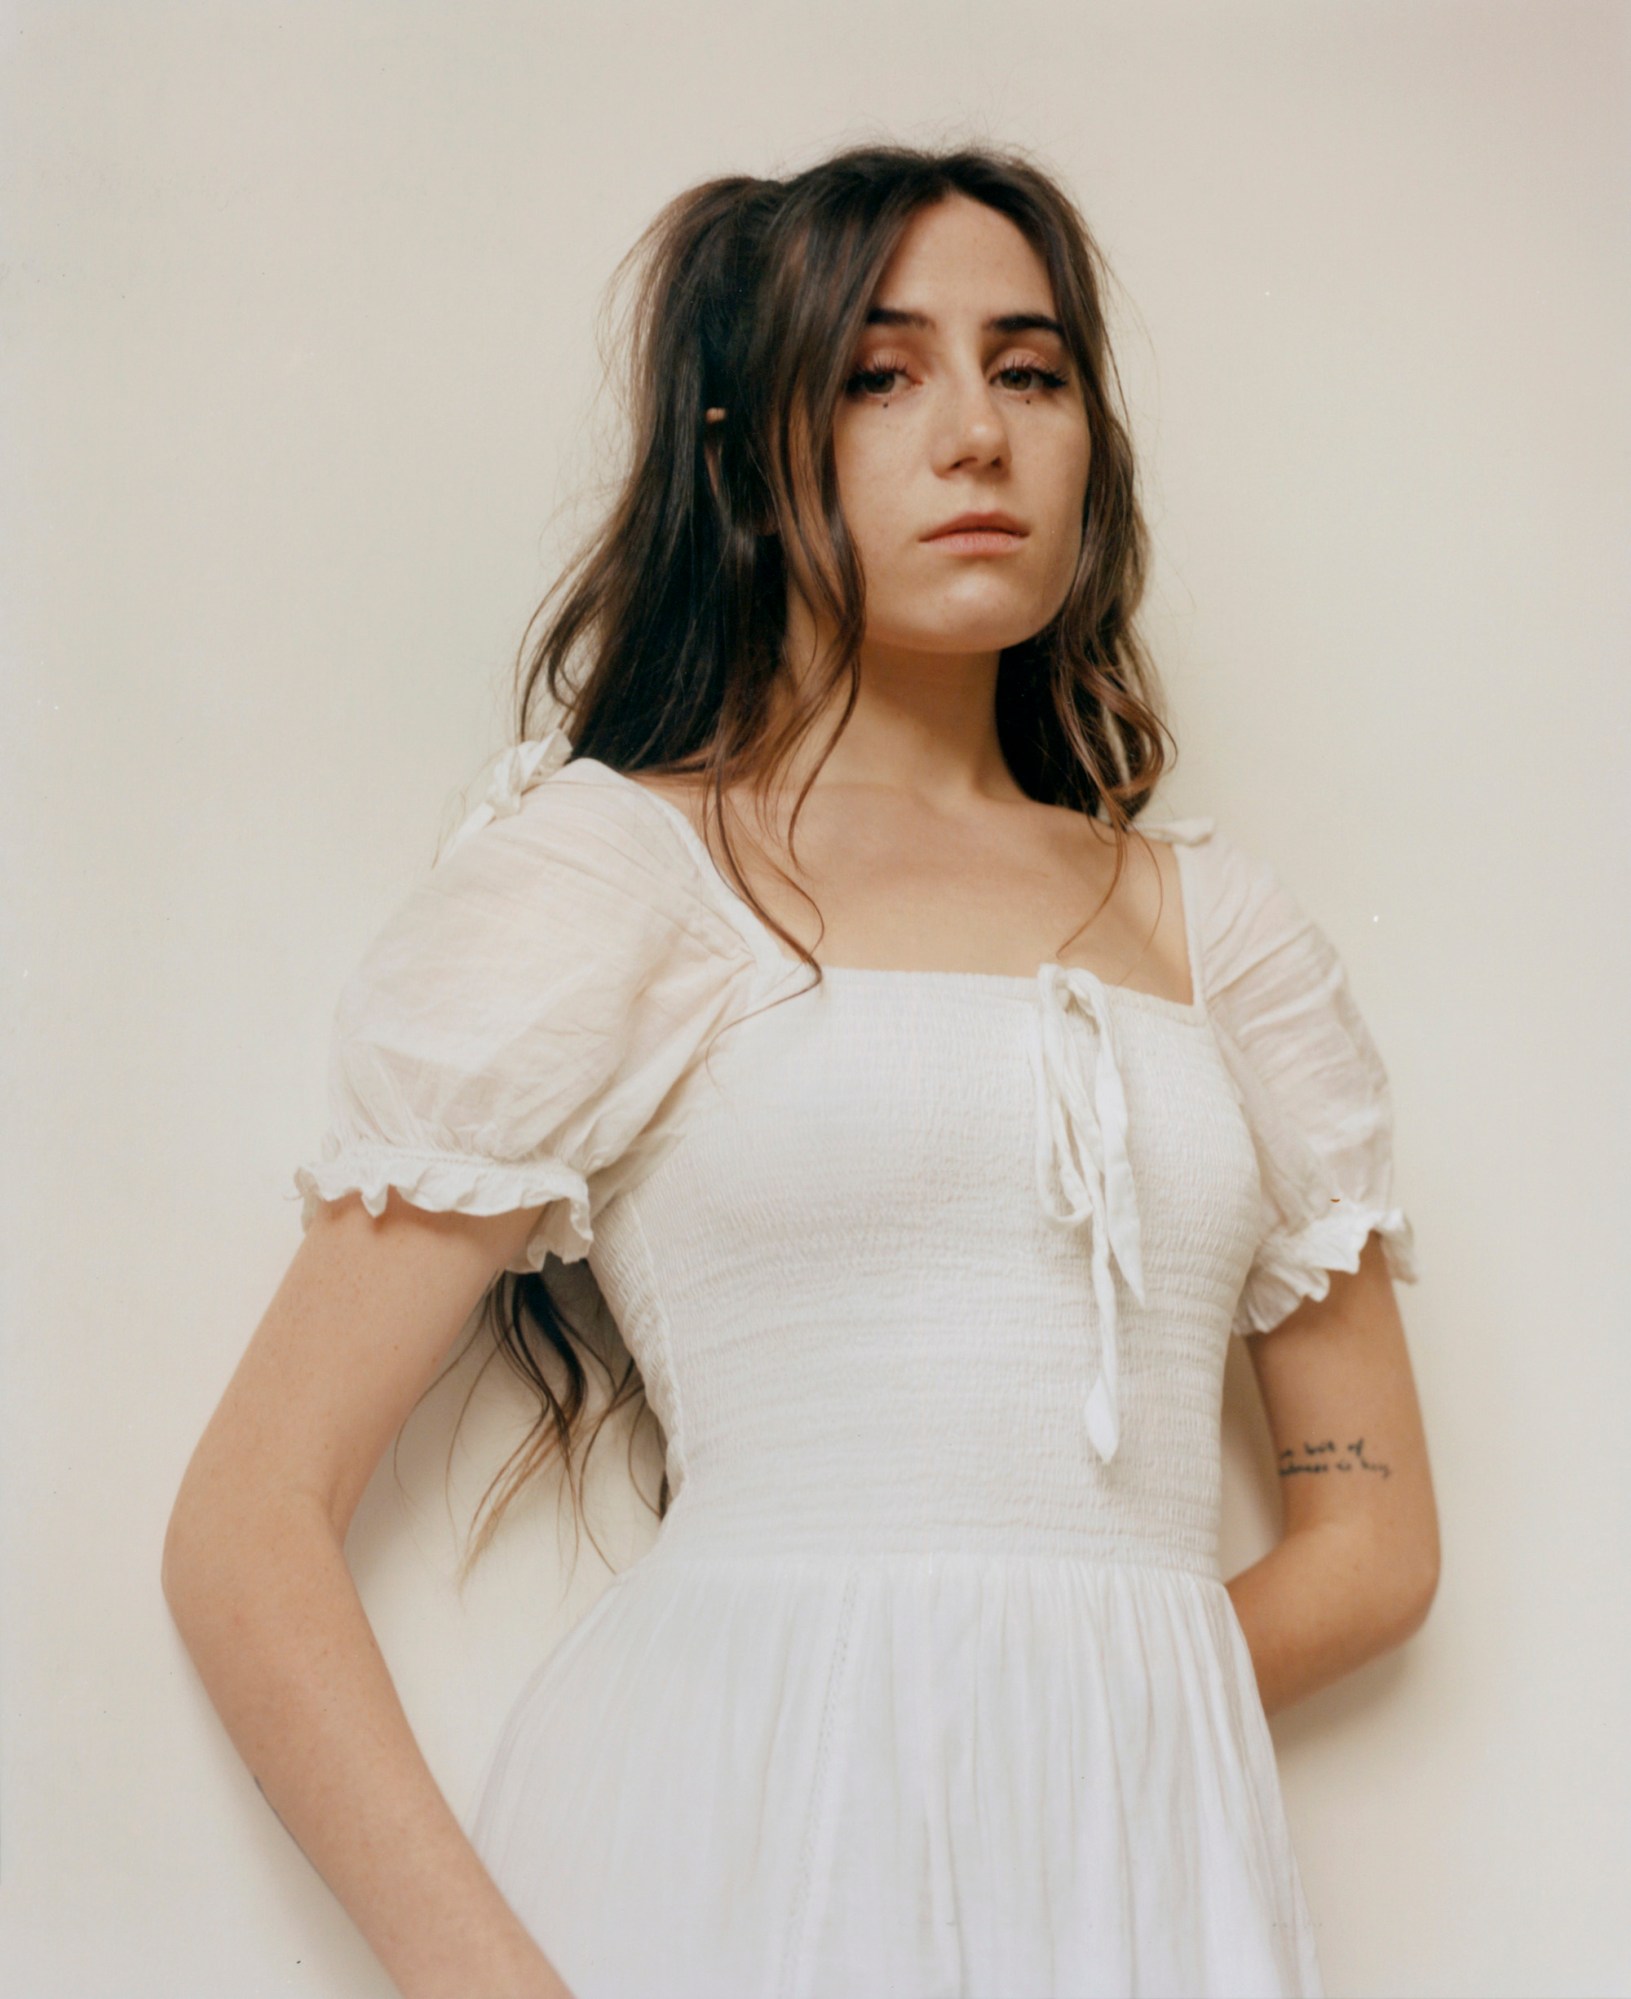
(960, 257)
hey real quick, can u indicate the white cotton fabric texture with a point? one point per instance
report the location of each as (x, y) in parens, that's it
(929, 1685)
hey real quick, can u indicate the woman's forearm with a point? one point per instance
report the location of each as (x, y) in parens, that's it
(1322, 1601)
(269, 1612)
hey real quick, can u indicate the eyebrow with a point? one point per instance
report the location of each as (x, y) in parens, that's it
(1006, 322)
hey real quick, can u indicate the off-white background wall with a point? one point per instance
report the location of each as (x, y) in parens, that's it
(298, 309)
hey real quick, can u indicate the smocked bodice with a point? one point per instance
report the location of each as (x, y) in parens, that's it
(944, 1261)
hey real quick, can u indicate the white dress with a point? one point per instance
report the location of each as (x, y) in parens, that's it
(929, 1684)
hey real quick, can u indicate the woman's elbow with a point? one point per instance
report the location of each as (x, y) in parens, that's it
(213, 1536)
(1408, 1578)
(180, 1557)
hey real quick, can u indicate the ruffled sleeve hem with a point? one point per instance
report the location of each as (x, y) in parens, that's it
(450, 1182)
(1292, 1265)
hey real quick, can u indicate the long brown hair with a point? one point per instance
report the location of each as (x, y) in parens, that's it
(665, 648)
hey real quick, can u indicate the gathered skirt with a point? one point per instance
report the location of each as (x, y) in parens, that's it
(926, 1776)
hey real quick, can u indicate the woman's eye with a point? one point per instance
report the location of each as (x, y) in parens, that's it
(871, 381)
(1048, 377)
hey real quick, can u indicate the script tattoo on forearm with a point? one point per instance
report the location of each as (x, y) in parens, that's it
(1329, 1457)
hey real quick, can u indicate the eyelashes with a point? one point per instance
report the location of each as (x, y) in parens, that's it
(871, 384)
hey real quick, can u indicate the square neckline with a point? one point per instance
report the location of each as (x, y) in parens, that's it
(1018, 984)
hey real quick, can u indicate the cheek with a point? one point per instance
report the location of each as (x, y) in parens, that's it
(1066, 529)
(869, 489)
(1076, 457)
(1070, 496)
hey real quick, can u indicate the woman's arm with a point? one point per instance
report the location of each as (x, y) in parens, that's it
(255, 1575)
(1357, 1568)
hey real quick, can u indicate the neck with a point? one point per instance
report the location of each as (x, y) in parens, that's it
(924, 722)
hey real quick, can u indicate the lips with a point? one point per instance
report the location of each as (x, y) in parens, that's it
(986, 523)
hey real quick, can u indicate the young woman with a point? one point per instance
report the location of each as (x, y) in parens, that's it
(927, 1127)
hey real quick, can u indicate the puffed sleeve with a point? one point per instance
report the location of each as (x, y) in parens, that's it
(513, 1033)
(1310, 1080)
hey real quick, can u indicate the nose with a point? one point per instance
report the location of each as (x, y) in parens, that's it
(972, 430)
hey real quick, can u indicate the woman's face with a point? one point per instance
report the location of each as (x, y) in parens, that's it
(961, 414)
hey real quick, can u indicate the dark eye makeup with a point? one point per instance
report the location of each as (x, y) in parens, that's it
(870, 384)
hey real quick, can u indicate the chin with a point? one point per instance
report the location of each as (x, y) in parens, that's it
(977, 613)
(971, 632)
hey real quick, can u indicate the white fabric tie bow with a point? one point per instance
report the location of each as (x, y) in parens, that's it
(1082, 1170)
